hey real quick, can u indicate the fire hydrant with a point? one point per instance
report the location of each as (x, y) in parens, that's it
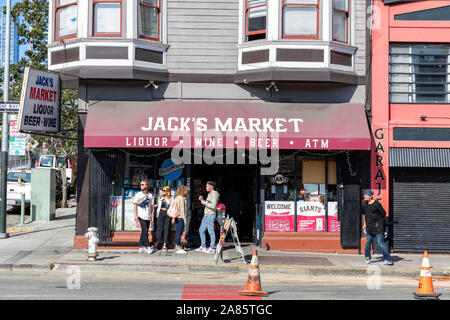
(92, 237)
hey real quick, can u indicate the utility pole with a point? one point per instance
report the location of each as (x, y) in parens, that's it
(5, 126)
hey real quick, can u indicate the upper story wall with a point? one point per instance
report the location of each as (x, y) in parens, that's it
(210, 37)
(203, 35)
(410, 73)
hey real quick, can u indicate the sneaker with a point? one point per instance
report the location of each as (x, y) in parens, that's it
(200, 249)
(181, 251)
(142, 250)
(164, 249)
(367, 260)
(210, 251)
(152, 249)
(388, 263)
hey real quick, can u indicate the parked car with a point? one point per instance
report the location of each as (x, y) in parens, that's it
(18, 182)
(57, 162)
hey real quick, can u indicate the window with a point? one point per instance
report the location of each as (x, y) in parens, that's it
(149, 11)
(107, 18)
(340, 20)
(301, 19)
(302, 195)
(256, 19)
(66, 19)
(419, 73)
(14, 176)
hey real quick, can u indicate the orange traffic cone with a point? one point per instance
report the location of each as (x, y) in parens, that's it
(426, 290)
(253, 285)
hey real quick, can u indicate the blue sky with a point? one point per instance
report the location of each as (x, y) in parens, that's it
(22, 47)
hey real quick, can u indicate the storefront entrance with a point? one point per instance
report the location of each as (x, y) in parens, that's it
(238, 188)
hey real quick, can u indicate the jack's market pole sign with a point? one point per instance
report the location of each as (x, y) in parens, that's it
(40, 102)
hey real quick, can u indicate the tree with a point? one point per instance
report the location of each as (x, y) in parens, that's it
(31, 19)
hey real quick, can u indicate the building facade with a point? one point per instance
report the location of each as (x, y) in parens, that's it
(14, 40)
(411, 121)
(266, 98)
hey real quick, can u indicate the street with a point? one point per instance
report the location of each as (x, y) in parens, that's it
(72, 283)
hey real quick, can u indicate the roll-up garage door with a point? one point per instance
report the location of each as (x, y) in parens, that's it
(420, 202)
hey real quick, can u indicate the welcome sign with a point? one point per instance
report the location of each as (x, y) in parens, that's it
(40, 102)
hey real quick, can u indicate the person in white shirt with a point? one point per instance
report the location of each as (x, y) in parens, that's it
(143, 208)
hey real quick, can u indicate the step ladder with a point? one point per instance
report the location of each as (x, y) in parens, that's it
(229, 223)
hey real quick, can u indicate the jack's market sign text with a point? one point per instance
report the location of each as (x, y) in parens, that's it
(218, 132)
(39, 109)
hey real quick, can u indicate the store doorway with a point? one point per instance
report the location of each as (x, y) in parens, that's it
(238, 188)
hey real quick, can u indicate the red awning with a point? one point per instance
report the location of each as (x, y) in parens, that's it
(169, 124)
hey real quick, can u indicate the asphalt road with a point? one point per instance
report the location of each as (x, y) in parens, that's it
(75, 284)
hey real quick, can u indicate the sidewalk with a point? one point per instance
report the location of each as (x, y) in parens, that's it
(48, 246)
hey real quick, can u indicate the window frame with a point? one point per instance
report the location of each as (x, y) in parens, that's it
(97, 34)
(57, 9)
(412, 94)
(284, 5)
(347, 31)
(247, 8)
(141, 36)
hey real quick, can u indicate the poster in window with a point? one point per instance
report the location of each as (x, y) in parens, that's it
(279, 216)
(333, 223)
(310, 216)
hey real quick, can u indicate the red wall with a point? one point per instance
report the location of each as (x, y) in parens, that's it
(387, 116)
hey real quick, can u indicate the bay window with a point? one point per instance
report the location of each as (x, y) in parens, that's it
(300, 19)
(107, 18)
(340, 20)
(149, 17)
(66, 12)
(256, 19)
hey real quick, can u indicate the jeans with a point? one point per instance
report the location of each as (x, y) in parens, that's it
(207, 223)
(163, 228)
(381, 243)
(143, 241)
(179, 227)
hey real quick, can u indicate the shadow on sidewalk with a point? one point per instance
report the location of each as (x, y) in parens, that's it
(41, 230)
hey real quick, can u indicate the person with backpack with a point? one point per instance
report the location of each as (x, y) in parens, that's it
(211, 202)
(373, 226)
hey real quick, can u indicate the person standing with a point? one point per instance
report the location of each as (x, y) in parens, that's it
(180, 219)
(162, 219)
(143, 207)
(373, 226)
(209, 218)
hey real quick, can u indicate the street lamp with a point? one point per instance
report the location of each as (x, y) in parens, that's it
(5, 126)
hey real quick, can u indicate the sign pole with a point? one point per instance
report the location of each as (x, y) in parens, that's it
(5, 126)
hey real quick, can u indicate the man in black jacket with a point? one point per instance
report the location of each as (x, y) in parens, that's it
(373, 226)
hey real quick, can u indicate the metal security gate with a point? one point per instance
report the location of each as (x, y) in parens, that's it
(105, 182)
(420, 202)
(349, 208)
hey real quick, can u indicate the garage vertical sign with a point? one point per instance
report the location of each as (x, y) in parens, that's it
(40, 102)
(380, 165)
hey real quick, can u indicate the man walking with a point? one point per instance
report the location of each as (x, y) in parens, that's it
(373, 226)
(208, 219)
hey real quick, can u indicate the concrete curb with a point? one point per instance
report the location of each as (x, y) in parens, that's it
(306, 271)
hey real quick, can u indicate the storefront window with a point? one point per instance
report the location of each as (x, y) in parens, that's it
(302, 196)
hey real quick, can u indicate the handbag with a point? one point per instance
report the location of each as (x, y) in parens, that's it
(173, 211)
